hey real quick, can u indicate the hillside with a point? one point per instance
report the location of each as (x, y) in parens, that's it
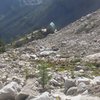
(62, 66)
(18, 17)
(80, 38)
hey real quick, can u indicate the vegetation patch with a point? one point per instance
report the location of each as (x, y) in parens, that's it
(43, 74)
(94, 67)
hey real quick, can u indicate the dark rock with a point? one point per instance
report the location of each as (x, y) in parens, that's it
(72, 91)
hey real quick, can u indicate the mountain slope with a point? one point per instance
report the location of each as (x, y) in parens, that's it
(80, 38)
(23, 16)
(55, 64)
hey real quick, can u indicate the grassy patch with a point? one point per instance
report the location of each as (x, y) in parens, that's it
(94, 67)
(61, 65)
(71, 65)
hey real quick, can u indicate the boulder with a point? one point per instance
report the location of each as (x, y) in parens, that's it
(72, 91)
(69, 83)
(97, 80)
(78, 68)
(58, 95)
(81, 71)
(63, 43)
(30, 89)
(34, 57)
(44, 96)
(55, 82)
(94, 58)
(85, 92)
(84, 97)
(9, 91)
(1, 85)
(94, 90)
(20, 81)
(81, 87)
(55, 48)
(83, 79)
(3, 65)
(4, 78)
(25, 56)
(46, 53)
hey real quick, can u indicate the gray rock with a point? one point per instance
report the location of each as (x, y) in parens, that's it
(78, 68)
(22, 96)
(69, 83)
(29, 98)
(81, 71)
(85, 97)
(46, 53)
(9, 91)
(81, 87)
(54, 82)
(4, 78)
(34, 57)
(55, 48)
(44, 96)
(20, 81)
(82, 79)
(29, 89)
(3, 65)
(94, 58)
(72, 91)
(63, 43)
(1, 85)
(94, 90)
(85, 92)
(97, 80)
(58, 95)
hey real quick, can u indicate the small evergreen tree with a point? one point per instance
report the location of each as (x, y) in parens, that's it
(43, 74)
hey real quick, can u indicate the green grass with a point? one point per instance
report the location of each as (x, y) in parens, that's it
(61, 66)
(71, 65)
(94, 67)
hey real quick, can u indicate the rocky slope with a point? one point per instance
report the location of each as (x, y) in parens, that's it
(64, 53)
(80, 38)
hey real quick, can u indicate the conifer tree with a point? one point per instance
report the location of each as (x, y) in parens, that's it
(43, 74)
